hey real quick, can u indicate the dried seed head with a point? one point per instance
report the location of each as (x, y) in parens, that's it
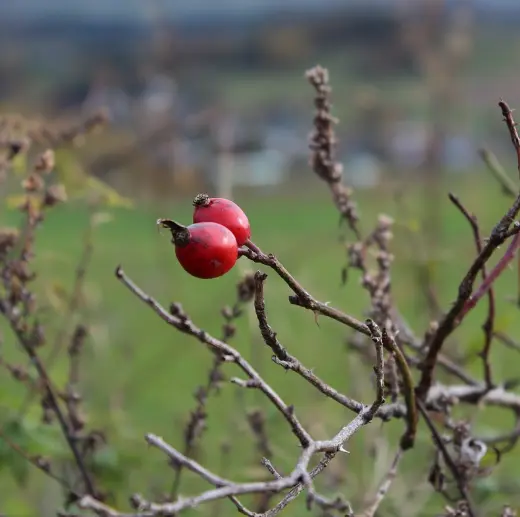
(385, 221)
(8, 238)
(227, 312)
(78, 421)
(177, 310)
(17, 146)
(229, 331)
(37, 335)
(508, 512)
(47, 416)
(19, 373)
(246, 288)
(96, 121)
(45, 162)
(33, 183)
(55, 194)
(43, 463)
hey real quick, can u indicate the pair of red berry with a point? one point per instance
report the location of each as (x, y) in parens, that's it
(208, 248)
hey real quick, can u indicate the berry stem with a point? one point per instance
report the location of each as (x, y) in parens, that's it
(252, 246)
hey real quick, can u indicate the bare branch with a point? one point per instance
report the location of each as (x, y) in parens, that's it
(377, 339)
(225, 488)
(301, 297)
(186, 326)
(447, 458)
(511, 126)
(50, 397)
(408, 438)
(289, 362)
(490, 320)
(451, 320)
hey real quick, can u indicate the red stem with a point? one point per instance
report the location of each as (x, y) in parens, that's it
(492, 276)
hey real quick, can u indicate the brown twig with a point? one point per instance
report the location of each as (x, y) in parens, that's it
(408, 438)
(52, 399)
(378, 340)
(439, 442)
(499, 268)
(230, 354)
(301, 297)
(72, 307)
(452, 318)
(338, 503)
(226, 488)
(489, 324)
(196, 422)
(72, 398)
(310, 447)
(283, 358)
(18, 305)
(511, 126)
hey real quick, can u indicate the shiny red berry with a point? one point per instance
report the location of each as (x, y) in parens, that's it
(204, 250)
(224, 212)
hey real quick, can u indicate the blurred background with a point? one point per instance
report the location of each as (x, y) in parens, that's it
(181, 80)
(207, 96)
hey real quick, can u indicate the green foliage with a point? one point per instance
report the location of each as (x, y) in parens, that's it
(111, 465)
(10, 460)
(138, 375)
(78, 183)
(34, 439)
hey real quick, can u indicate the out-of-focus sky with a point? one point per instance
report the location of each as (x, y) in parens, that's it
(133, 10)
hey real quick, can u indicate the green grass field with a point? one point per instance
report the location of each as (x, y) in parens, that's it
(139, 375)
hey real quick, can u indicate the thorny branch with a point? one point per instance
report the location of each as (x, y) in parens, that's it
(465, 300)
(448, 459)
(511, 126)
(228, 353)
(489, 324)
(17, 304)
(446, 326)
(386, 340)
(226, 488)
(438, 394)
(197, 420)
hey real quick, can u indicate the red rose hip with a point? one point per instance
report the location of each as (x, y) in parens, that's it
(224, 212)
(204, 250)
